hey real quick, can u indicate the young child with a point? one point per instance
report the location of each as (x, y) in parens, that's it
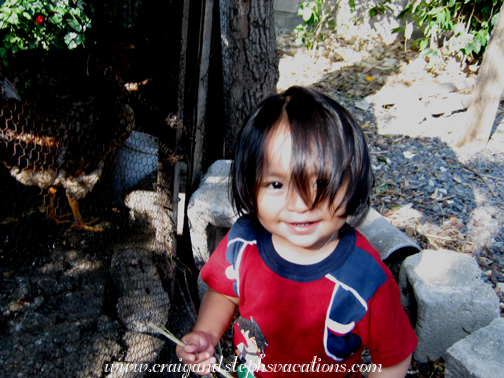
(313, 286)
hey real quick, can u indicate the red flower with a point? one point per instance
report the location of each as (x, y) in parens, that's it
(39, 20)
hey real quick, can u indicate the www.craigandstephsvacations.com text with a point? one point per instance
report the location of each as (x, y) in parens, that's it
(313, 367)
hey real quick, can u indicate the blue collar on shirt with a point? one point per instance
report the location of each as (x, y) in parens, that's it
(307, 273)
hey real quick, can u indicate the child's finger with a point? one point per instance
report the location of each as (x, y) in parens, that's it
(190, 353)
(198, 357)
(184, 355)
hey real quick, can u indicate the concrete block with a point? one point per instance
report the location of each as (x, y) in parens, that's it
(446, 292)
(385, 237)
(479, 355)
(210, 212)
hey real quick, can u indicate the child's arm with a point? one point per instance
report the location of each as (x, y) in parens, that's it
(396, 371)
(215, 315)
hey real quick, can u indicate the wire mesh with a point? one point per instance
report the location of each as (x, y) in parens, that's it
(76, 297)
(76, 302)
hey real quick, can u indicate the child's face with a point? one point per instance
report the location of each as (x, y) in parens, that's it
(281, 210)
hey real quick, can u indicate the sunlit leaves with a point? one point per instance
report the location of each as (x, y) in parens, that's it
(42, 24)
(452, 27)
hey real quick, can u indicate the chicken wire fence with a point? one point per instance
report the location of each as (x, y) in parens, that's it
(77, 302)
(86, 222)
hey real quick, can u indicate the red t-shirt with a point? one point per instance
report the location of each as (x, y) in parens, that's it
(310, 319)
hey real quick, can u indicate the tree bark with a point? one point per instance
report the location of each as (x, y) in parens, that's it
(249, 59)
(488, 91)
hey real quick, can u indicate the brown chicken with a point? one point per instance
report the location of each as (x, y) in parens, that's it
(61, 135)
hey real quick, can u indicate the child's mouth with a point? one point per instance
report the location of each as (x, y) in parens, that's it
(303, 228)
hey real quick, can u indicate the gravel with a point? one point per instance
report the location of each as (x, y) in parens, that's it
(453, 194)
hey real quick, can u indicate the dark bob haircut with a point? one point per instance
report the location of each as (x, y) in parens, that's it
(325, 139)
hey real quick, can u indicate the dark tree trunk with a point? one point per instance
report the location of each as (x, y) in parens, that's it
(238, 67)
(250, 60)
(488, 91)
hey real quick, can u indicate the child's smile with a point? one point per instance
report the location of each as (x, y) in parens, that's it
(299, 232)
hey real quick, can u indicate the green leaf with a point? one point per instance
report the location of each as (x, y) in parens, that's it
(484, 37)
(72, 40)
(435, 11)
(477, 45)
(308, 17)
(426, 52)
(60, 10)
(56, 18)
(13, 18)
(381, 188)
(75, 25)
(469, 48)
(494, 19)
(423, 44)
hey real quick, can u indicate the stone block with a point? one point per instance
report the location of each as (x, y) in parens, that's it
(445, 292)
(479, 355)
(210, 212)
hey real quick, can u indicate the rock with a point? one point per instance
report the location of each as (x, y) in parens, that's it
(141, 298)
(143, 205)
(479, 355)
(450, 296)
(210, 212)
(363, 105)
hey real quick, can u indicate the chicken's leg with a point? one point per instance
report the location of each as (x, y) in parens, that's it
(78, 222)
(51, 211)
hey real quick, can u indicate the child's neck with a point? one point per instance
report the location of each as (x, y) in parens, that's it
(304, 256)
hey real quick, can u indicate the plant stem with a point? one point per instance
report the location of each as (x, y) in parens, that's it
(170, 336)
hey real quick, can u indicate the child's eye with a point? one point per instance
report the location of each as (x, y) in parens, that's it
(321, 184)
(275, 185)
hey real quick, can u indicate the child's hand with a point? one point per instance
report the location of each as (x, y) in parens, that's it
(199, 350)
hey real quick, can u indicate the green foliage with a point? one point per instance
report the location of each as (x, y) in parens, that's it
(317, 15)
(459, 28)
(42, 25)
(320, 14)
(451, 27)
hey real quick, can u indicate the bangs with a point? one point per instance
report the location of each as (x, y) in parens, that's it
(321, 149)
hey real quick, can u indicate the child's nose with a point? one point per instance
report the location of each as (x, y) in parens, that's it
(295, 202)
